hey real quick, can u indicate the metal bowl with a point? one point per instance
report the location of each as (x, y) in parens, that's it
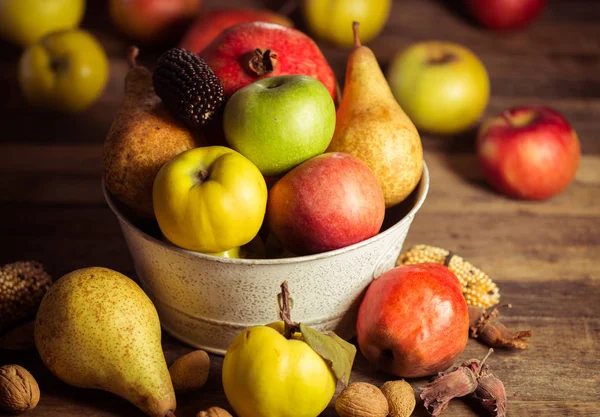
(206, 301)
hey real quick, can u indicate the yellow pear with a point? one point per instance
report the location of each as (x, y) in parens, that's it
(372, 126)
(96, 328)
(142, 138)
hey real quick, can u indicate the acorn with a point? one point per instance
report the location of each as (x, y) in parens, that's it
(187, 86)
(23, 284)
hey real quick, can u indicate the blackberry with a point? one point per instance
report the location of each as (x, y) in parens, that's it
(187, 86)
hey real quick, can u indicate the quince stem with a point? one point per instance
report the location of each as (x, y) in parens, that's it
(131, 56)
(290, 327)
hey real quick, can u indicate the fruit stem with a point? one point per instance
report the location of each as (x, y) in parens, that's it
(355, 26)
(202, 175)
(289, 326)
(288, 7)
(132, 55)
(507, 118)
(483, 360)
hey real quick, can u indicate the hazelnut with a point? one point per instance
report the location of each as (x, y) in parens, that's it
(213, 412)
(190, 372)
(19, 392)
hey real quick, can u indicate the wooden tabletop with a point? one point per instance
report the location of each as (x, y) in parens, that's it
(544, 255)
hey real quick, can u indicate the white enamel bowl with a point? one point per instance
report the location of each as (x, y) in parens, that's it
(205, 300)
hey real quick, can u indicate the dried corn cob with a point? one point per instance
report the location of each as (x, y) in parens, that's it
(479, 290)
(22, 287)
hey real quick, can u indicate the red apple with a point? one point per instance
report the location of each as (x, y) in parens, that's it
(505, 14)
(153, 21)
(528, 152)
(328, 202)
(413, 320)
(250, 51)
(208, 25)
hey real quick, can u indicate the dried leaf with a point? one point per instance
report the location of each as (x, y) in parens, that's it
(338, 353)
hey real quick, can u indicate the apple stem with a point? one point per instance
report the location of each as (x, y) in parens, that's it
(355, 26)
(288, 7)
(290, 326)
(132, 55)
(507, 118)
(483, 360)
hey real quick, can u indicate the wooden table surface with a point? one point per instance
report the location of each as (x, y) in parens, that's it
(543, 255)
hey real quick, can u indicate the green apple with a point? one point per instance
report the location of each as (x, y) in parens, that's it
(280, 122)
(64, 71)
(443, 87)
(23, 22)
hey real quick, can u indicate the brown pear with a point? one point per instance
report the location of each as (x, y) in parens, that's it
(142, 138)
(372, 126)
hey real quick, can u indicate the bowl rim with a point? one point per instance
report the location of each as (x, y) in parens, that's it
(423, 185)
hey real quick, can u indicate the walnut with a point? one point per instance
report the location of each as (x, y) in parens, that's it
(213, 412)
(18, 390)
(361, 399)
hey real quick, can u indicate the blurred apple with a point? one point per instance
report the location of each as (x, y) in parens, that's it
(64, 71)
(442, 86)
(505, 14)
(25, 21)
(208, 25)
(528, 152)
(153, 21)
(331, 20)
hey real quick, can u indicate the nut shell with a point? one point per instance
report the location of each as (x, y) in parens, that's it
(190, 372)
(213, 412)
(19, 392)
(400, 396)
(361, 399)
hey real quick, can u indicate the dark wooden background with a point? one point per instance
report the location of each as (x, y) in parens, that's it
(543, 255)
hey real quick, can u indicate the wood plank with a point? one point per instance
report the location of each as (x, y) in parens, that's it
(71, 174)
(549, 389)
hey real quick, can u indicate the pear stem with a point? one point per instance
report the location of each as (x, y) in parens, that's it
(355, 26)
(289, 326)
(132, 55)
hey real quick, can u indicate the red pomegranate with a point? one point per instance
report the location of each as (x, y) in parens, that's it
(413, 320)
(250, 51)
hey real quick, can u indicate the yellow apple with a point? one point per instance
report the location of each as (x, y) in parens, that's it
(25, 21)
(331, 20)
(442, 86)
(267, 375)
(209, 199)
(64, 71)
